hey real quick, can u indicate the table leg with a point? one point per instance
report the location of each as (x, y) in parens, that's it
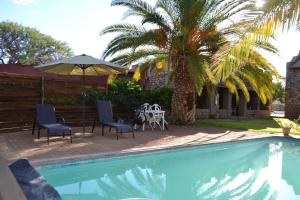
(163, 121)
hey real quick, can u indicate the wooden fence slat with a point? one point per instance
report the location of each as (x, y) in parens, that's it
(19, 94)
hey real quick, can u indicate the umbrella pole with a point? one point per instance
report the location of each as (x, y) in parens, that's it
(83, 100)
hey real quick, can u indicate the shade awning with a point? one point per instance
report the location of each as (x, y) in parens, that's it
(75, 65)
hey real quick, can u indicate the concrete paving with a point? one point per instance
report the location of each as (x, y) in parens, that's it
(23, 144)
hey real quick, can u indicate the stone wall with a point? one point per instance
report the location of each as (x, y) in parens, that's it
(278, 106)
(225, 114)
(258, 113)
(202, 113)
(153, 80)
(292, 90)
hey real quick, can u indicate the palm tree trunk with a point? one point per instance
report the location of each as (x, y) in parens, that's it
(183, 100)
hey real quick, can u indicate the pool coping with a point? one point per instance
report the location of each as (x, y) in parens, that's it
(9, 187)
(134, 151)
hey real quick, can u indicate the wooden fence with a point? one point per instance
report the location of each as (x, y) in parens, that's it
(19, 94)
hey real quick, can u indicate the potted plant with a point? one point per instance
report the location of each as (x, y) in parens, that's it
(286, 130)
(286, 126)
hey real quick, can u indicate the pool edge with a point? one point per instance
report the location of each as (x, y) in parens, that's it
(134, 151)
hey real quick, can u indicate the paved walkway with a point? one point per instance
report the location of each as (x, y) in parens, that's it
(23, 144)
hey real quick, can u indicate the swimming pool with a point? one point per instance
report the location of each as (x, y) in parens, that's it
(253, 169)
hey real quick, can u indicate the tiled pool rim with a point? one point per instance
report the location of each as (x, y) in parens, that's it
(97, 156)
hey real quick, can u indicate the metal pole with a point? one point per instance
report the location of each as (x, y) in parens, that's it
(83, 100)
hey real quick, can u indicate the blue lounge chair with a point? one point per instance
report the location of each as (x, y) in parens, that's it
(105, 118)
(47, 119)
(34, 186)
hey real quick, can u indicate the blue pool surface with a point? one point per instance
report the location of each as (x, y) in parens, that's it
(254, 169)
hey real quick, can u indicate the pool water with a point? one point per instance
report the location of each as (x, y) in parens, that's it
(253, 169)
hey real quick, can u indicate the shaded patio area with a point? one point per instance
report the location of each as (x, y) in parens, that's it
(23, 144)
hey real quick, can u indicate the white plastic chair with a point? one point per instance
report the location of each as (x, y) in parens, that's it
(157, 115)
(146, 107)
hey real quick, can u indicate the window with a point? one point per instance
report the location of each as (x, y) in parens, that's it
(253, 103)
(222, 96)
(202, 101)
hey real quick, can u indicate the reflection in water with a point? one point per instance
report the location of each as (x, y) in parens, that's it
(136, 182)
(265, 169)
(290, 165)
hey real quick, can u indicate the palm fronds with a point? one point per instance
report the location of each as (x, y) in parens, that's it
(212, 40)
(284, 13)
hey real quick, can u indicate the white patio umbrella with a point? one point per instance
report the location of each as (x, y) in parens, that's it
(83, 65)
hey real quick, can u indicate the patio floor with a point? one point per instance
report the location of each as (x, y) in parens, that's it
(23, 144)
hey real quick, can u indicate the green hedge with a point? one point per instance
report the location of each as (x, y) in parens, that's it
(125, 95)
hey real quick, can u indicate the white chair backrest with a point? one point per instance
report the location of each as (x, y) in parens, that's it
(156, 107)
(146, 106)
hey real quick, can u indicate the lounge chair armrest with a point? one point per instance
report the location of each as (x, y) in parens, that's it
(60, 118)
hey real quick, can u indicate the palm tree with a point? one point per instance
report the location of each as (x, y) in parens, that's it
(283, 13)
(190, 37)
(239, 63)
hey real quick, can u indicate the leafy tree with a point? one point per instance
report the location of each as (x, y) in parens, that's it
(25, 45)
(279, 91)
(200, 43)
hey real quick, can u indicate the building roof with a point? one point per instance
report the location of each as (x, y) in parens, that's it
(29, 70)
(132, 68)
(295, 62)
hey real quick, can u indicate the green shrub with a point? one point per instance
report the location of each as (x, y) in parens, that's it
(125, 95)
(93, 96)
(159, 95)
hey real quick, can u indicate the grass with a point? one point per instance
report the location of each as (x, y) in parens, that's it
(271, 125)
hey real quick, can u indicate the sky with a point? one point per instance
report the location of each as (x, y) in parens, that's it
(78, 22)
